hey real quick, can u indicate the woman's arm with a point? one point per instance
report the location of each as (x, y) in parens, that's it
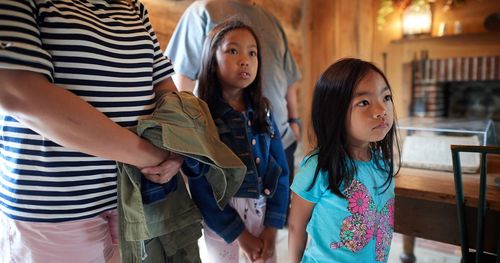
(166, 85)
(183, 82)
(68, 120)
(174, 162)
(293, 111)
(300, 213)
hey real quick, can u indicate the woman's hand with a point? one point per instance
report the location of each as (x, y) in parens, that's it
(251, 245)
(163, 172)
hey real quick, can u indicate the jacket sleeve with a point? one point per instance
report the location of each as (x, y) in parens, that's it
(193, 168)
(226, 222)
(276, 206)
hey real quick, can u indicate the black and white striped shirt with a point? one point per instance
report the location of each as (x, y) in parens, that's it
(103, 51)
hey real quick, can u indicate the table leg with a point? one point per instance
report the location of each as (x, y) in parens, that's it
(408, 245)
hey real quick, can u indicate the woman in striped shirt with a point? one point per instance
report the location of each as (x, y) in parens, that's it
(74, 74)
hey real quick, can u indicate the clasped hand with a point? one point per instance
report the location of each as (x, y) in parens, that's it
(163, 172)
(258, 249)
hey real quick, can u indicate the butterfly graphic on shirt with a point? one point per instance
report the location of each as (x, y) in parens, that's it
(366, 223)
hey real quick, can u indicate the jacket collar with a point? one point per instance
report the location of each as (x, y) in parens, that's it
(222, 108)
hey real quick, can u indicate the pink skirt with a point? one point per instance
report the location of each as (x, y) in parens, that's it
(88, 240)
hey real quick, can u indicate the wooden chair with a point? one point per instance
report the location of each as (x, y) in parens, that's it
(478, 255)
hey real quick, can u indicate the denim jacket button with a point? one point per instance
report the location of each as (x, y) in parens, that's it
(257, 160)
(267, 191)
(254, 141)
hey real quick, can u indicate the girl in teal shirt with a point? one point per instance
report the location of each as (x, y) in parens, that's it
(343, 194)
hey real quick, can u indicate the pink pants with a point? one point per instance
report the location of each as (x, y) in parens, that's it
(252, 213)
(89, 240)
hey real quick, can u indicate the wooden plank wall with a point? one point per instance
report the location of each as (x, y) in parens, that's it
(473, 41)
(164, 15)
(322, 31)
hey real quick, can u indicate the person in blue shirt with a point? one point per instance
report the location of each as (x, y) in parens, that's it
(230, 83)
(343, 194)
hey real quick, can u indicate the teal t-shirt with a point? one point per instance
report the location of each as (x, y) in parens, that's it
(356, 229)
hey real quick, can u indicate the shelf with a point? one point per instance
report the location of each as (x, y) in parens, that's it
(495, 36)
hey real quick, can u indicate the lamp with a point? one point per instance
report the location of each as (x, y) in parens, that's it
(417, 18)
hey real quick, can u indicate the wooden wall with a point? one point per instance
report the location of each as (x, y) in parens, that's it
(473, 41)
(322, 31)
(164, 15)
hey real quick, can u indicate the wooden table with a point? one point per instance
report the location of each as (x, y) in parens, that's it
(425, 207)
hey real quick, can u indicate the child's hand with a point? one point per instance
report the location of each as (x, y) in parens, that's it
(251, 245)
(268, 236)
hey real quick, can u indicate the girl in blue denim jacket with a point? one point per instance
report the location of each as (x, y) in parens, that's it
(230, 83)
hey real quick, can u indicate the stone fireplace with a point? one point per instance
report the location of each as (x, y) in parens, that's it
(462, 87)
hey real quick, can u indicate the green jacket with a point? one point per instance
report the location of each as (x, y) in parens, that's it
(181, 123)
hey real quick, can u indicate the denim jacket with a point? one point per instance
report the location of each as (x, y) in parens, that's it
(267, 172)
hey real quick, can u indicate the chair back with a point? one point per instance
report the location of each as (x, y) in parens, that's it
(481, 206)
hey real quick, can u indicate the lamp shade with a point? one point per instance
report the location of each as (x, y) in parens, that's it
(417, 18)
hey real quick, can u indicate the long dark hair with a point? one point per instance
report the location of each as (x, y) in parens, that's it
(331, 101)
(209, 88)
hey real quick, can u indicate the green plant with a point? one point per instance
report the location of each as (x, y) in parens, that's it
(388, 6)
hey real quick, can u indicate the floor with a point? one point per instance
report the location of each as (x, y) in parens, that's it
(426, 251)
